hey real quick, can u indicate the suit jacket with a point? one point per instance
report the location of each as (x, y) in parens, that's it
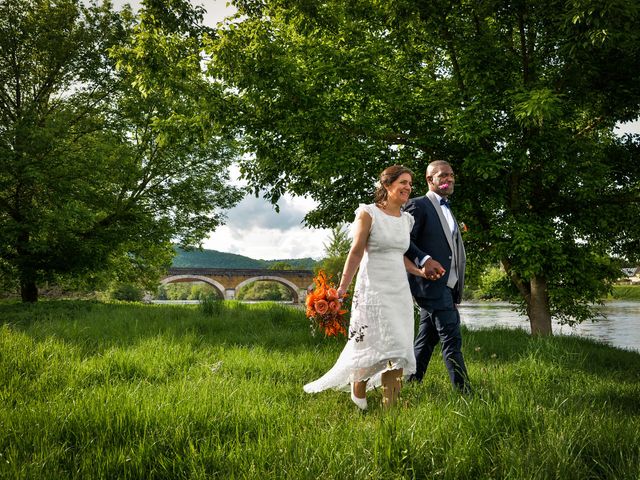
(431, 236)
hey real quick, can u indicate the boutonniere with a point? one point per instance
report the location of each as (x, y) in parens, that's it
(463, 227)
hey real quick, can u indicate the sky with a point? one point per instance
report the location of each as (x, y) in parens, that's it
(253, 228)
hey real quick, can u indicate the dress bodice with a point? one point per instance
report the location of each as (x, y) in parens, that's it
(388, 233)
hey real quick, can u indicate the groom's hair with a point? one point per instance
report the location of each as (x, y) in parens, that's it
(436, 163)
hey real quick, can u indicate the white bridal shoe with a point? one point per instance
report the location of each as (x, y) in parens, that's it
(361, 403)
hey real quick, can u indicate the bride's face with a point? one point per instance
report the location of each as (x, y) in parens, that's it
(400, 190)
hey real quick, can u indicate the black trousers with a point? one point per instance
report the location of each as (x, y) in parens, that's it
(440, 322)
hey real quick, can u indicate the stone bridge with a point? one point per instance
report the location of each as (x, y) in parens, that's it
(228, 281)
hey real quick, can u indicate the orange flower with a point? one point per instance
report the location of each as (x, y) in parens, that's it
(324, 307)
(321, 306)
(334, 306)
(332, 294)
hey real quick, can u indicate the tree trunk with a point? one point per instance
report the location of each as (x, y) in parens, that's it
(28, 289)
(538, 307)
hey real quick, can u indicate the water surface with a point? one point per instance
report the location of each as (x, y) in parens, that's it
(620, 328)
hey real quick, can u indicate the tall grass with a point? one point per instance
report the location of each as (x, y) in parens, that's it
(91, 390)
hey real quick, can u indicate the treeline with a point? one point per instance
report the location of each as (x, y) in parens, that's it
(206, 258)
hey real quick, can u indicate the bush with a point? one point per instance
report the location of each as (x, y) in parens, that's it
(161, 293)
(126, 292)
(211, 306)
(493, 284)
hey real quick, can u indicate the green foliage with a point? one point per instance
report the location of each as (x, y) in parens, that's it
(186, 291)
(108, 151)
(264, 290)
(211, 306)
(196, 397)
(126, 292)
(333, 267)
(174, 291)
(494, 284)
(339, 242)
(292, 263)
(520, 99)
(280, 265)
(213, 259)
(204, 258)
(336, 251)
(626, 292)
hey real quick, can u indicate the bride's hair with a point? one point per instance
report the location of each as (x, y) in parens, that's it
(387, 177)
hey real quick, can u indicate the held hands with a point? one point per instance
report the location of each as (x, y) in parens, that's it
(433, 270)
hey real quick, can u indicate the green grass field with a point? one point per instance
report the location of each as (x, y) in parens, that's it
(91, 390)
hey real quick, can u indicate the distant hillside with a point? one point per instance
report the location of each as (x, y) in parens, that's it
(215, 259)
(296, 263)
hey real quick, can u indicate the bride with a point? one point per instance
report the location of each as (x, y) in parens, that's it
(380, 346)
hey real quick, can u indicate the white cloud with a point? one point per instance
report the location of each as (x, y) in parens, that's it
(269, 243)
(628, 127)
(254, 229)
(254, 212)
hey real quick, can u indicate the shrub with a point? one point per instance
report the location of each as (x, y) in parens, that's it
(126, 292)
(211, 306)
(493, 284)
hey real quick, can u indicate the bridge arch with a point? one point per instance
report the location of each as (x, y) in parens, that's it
(195, 278)
(229, 280)
(293, 288)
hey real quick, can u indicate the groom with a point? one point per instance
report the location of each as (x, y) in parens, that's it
(436, 245)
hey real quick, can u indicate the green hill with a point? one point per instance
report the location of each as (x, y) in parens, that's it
(214, 259)
(296, 263)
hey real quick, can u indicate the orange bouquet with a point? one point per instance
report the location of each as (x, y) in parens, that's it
(324, 308)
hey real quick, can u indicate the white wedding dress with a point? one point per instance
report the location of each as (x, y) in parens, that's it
(381, 327)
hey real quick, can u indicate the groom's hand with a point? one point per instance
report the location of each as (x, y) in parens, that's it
(432, 269)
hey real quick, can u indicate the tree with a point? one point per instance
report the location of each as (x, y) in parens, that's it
(280, 265)
(339, 242)
(521, 97)
(336, 251)
(110, 144)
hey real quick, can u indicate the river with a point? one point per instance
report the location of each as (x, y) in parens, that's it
(621, 328)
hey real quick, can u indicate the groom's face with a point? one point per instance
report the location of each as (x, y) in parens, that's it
(441, 179)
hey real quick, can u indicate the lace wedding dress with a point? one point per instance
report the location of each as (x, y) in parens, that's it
(381, 326)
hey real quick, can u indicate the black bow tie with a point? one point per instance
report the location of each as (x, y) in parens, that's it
(445, 202)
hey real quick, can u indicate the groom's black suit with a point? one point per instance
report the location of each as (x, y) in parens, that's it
(439, 317)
